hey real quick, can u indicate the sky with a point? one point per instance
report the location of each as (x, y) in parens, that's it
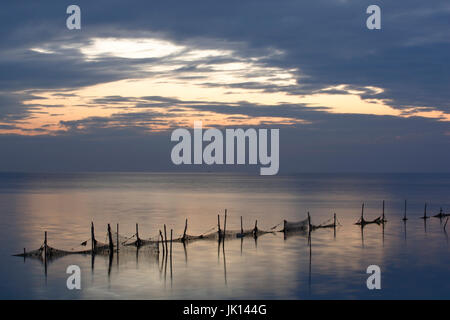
(107, 97)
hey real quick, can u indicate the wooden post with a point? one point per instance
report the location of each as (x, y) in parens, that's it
(184, 233)
(137, 232)
(425, 211)
(218, 224)
(111, 244)
(284, 225)
(309, 221)
(335, 220)
(242, 227)
(362, 212)
(383, 211)
(162, 241)
(92, 238)
(225, 224)
(165, 236)
(255, 230)
(24, 252)
(404, 217)
(171, 234)
(117, 237)
(45, 244)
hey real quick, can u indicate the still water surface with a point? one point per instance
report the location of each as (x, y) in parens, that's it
(413, 257)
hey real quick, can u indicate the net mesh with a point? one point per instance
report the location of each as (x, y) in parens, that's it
(116, 242)
(290, 226)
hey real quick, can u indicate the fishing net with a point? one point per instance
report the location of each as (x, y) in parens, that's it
(361, 221)
(134, 240)
(290, 226)
(119, 243)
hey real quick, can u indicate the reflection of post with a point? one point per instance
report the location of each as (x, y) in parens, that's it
(445, 231)
(45, 255)
(171, 271)
(111, 254)
(362, 235)
(310, 260)
(117, 249)
(224, 262)
(218, 249)
(185, 253)
(92, 262)
(404, 227)
(111, 250)
(165, 264)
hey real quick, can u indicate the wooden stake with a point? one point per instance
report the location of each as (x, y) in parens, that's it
(117, 237)
(335, 220)
(111, 244)
(171, 234)
(309, 221)
(185, 229)
(218, 224)
(225, 224)
(92, 238)
(165, 236)
(162, 241)
(45, 244)
(137, 231)
(242, 227)
(404, 218)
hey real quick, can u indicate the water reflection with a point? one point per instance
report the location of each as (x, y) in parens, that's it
(272, 265)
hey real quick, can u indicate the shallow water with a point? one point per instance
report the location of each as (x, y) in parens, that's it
(414, 258)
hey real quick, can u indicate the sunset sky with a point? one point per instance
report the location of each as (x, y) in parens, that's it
(106, 97)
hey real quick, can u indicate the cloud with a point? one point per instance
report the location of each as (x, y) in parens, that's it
(138, 68)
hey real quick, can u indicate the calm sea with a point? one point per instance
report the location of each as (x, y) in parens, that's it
(414, 257)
